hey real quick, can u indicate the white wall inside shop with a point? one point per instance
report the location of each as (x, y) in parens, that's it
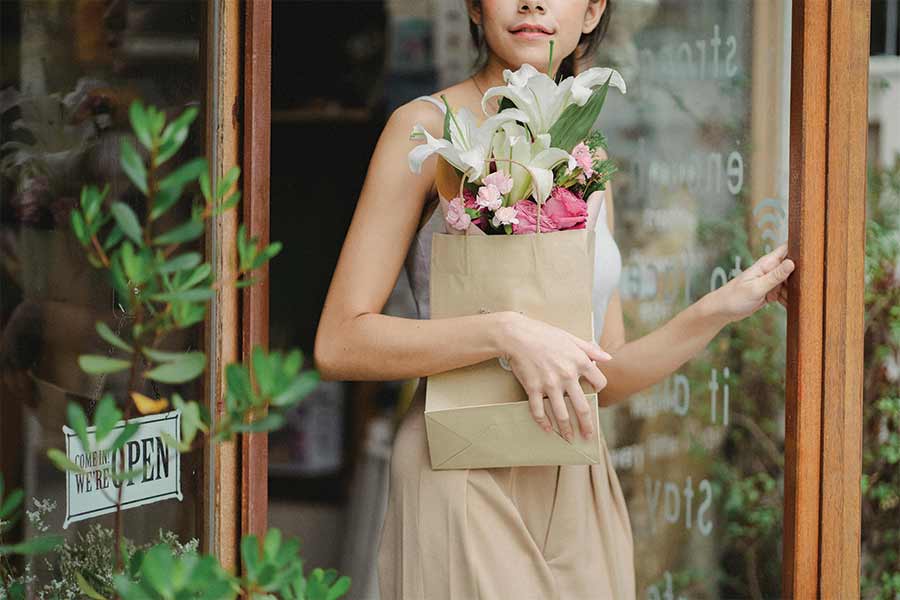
(884, 109)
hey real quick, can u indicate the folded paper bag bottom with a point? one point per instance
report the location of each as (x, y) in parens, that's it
(506, 434)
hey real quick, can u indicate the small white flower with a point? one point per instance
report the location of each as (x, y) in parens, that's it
(505, 215)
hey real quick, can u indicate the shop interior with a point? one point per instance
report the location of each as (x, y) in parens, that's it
(333, 90)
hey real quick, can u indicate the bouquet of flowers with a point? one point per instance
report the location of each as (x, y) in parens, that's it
(529, 168)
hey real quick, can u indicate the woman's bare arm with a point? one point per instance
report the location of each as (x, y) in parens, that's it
(648, 360)
(354, 341)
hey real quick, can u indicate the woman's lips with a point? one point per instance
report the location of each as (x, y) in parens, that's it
(531, 34)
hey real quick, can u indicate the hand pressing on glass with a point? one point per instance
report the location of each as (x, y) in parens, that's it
(763, 282)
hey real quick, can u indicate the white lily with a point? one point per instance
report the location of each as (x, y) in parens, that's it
(530, 164)
(542, 99)
(469, 145)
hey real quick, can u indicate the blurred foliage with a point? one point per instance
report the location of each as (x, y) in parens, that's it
(881, 395)
(165, 287)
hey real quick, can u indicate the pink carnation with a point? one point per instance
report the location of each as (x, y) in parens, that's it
(489, 197)
(526, 213)
(583, 158)
(457, 217)
(565, 208)
(470, 201)
(499, 180)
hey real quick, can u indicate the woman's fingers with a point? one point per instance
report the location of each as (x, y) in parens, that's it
(593, 350)
(538, 413)
(581, 407)
(561, 412)
(595, 376)
(775, 276)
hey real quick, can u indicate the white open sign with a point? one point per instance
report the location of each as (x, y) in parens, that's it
(95, 493)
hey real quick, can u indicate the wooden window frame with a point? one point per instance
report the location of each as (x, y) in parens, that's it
(823, 423)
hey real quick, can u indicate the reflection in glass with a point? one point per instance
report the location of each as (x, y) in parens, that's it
(701, 143)
(69, 71)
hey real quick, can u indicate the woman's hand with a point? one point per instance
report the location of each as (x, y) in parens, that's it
(755, 287)
(549, 361)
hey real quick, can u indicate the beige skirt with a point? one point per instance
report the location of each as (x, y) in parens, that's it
(542, 533)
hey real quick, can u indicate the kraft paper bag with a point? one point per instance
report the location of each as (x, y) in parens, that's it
(478, 416)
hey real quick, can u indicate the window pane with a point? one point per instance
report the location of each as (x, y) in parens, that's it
(701, 142)
(69, 73)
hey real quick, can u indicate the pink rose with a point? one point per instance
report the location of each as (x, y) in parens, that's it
(526, 213)
(566, 209)
(583, 158)
(457, 217)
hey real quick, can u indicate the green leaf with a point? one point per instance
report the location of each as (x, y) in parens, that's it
(250, 555)
(106, 417)
(576, 122)
(127, 433)
(163, 201)
(200, 274)
(191, 418)
(111, 338)
(128, 221)
(138, 263)
(175, 134)
(272, 543)
(85, 587)
(194, 295)
(158, 566)
(183, 370)
(227, 181)
(205, 187)
(78, 422)
(162, 355)
(170, 441)
(183, 233)
(188, 260)
(133, 165)
(270, 252)
(115, 236)
(62, 462)
(79, 227)
(140, 124)
(238, 386)
(37, 545)
(297, 390)
(184, 174)
(270, 422)
(340, 587)
(186, 314)
(264, 369)
(228, 204)
(11, 503)
(96, 364)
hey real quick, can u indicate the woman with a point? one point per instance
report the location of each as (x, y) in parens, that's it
(517, 532)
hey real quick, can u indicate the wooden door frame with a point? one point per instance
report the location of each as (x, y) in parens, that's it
(823, 422)
(238, 100)
(255, 299)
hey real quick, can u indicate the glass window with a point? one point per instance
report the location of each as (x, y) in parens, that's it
(69, 72)
(701, 143)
